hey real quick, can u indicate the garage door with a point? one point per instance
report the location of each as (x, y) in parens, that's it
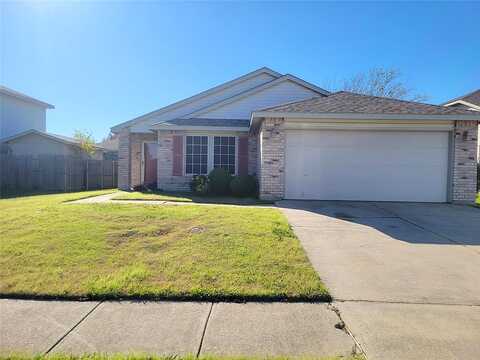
(366, 165)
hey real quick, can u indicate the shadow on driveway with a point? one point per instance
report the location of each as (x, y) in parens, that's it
(410, 222)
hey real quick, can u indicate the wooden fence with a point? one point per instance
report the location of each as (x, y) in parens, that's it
(51, 173)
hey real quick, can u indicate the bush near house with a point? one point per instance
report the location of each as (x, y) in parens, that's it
(244, 186)
(199, 184)
(220, 182)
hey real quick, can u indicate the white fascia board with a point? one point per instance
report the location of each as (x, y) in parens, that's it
(198, 96)
(353, 116)
(201, 128)
(463, 102)
(255, 90)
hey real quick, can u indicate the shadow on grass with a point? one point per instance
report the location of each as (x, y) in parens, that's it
(324, 297)
(189, 197)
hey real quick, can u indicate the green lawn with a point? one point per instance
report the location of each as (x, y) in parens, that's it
(52, 249)
(478, 198)
(186, 197)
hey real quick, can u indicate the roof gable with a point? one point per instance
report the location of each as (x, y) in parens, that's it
(285, 88)
(203, 99)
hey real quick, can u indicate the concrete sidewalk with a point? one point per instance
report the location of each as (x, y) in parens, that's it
(172, 328)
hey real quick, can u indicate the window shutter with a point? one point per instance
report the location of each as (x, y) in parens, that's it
(177, 155)
(243, 155)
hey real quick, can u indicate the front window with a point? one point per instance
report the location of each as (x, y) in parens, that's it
(196, 155)
(224, 153)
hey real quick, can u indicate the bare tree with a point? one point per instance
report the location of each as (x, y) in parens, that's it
(381, 82)
(87, 143)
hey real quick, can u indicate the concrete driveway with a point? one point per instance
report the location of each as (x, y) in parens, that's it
(405, 277)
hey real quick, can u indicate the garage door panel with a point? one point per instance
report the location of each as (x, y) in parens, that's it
(367, 165)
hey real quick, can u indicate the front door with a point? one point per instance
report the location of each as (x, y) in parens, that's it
(150, 155)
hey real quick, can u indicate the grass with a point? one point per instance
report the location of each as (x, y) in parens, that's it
(50, 249)
(186, 197)
(478, 199)
(153, 357)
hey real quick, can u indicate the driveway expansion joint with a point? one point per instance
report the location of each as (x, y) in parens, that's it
(73, 328)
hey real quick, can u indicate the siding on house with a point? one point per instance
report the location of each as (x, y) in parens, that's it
(17, 116)
(242, 108)
(35, 144)
(144, 126)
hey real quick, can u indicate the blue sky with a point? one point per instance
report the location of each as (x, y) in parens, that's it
(102, 63)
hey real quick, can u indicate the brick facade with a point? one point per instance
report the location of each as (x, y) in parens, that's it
(266, 160)
(165, 180)
(271, 159)
(464, 181)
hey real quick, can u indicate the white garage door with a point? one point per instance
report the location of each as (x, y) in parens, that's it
(366, 165)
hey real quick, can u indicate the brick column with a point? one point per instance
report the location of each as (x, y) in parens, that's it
(465, 161)
(166, 180)
(272, 159)
(124, 160)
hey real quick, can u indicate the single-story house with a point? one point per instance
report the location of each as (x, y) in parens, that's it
(110, 144)
(303, 142)
(35, 143)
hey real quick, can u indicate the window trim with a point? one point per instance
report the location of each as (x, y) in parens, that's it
(236, 151)
(210, 151)
(185, 153)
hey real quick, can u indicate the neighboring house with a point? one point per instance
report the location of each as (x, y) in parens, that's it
(471, 101)
(19, 112)
(110, 145)
(303, 142)
(36, 143)
(23, 129)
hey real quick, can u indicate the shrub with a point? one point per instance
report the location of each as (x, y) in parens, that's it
(140, 188)
(244, 186)
(199, 184)
(219, 181)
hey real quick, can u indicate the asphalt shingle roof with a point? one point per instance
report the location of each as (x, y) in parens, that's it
(209, 122)
(348, 102)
